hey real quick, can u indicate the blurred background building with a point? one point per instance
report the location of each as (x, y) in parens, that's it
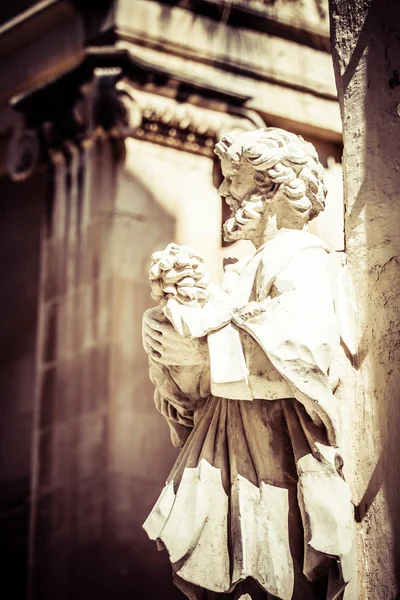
(109, 112)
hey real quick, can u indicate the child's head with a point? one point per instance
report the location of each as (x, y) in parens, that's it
(178, 273)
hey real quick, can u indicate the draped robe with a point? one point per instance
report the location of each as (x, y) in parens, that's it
(260, 465)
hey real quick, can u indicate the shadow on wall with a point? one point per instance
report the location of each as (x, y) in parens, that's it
(376, 259)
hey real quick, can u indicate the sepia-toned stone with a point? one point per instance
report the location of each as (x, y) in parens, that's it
(272, 335)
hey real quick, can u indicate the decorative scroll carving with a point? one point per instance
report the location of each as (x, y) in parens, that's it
(241, 374)
(178, 133)
(56, 116)
(180, 125)
(107, 101)
(104, 103)
(98, 103)
(22, 154)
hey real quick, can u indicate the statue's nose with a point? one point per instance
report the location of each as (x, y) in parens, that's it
(223, 189)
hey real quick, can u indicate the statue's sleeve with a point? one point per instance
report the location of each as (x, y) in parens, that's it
(178, 391)
(295, 324)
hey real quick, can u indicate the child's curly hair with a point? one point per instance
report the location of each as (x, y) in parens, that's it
(178, 272)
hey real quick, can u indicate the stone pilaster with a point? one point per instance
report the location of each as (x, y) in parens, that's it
(366, 56)
(88, 478)
(74, 368)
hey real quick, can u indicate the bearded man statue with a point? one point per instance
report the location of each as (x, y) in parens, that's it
(256, 506)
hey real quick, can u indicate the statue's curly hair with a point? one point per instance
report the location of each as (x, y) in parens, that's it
(280, 158)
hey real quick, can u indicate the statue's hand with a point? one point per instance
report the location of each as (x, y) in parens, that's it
(167, 346)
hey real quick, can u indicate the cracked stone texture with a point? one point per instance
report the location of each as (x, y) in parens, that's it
(366, 55)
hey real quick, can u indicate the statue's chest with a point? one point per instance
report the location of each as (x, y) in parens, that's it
(245, 288)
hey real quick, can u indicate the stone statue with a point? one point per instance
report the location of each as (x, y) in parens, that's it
(256, 506)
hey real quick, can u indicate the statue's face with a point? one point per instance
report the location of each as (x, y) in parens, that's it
(240, 192)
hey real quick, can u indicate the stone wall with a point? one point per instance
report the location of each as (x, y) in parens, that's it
(366, 56)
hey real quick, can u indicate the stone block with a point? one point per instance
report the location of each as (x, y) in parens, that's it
(91, 448)
(139, 444)
(57, 456)
(50, 310)
(133, 389)
(47, 396)
(85, 333)
(101, 310)
(87, 508)
(100, 236)
(51, 518)
(129, 300)
(100, 369)
(60, 397)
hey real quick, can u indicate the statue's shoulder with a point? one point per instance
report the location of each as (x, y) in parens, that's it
(305, 239)
(289, 243)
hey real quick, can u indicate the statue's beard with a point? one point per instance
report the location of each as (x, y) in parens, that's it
(245, 219)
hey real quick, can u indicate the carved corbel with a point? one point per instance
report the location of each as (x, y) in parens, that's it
(22, 154)
(72, 108)
(107, 103)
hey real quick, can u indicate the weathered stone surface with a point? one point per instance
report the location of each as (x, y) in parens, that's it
(366, 58)
(269, 56)
(20, 219)
(101, 221)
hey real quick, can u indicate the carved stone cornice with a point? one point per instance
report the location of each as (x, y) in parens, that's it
(267, 17)
(69, 109)
(95, 80)
(106, 92)
(184, 133)
(182, 126)
(73, 107)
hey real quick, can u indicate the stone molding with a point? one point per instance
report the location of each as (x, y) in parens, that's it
(102, 94)
(95, 104)
(308, 25)
(182, 126)
(87, 105)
